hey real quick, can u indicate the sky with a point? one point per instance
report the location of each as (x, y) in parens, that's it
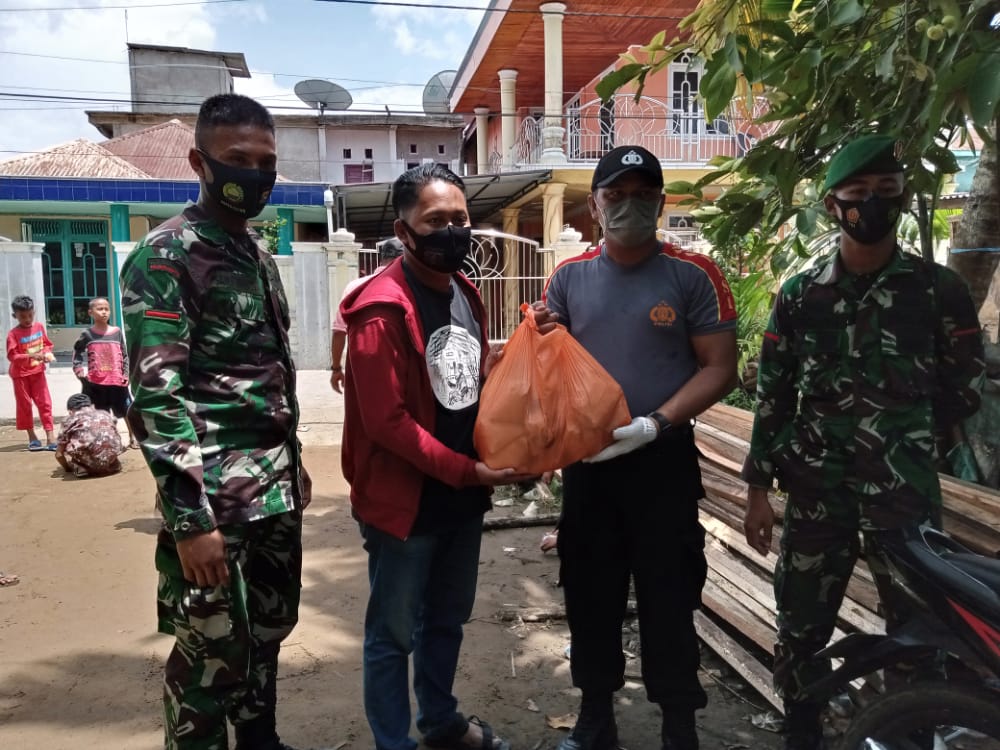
(61, 50)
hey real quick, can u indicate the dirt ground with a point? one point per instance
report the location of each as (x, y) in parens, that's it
(80, 659)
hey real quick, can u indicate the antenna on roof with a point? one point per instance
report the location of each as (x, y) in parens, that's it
(436, 93)
(323, 95)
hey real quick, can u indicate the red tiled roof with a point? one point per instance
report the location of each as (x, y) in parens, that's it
(79, 158)
(161, 151)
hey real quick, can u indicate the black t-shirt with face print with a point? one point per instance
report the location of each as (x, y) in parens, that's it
(453, 354)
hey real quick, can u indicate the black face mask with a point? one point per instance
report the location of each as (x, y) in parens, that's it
(870, 220)
(242, 191)
(443, 250)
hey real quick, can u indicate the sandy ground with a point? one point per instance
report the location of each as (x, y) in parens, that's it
(80, 659)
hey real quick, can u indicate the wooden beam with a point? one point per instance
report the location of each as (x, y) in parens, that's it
(738, 658)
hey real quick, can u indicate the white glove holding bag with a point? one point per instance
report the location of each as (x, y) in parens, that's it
(641, 431)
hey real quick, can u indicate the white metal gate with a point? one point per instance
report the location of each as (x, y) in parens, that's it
(508, 270)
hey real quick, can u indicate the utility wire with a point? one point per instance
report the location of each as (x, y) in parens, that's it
(441, 6)
(374, 83)
(116, 7)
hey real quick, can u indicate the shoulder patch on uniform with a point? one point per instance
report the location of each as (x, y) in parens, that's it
(161, 315)
(163, 265)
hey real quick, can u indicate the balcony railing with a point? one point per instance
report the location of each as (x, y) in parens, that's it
(675, 130)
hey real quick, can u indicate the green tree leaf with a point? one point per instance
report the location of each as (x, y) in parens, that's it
(844, 12)
(717, 86)
(984, 89)
(614, 80)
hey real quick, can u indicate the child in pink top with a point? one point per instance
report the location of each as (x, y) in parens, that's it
(100, 361)
(28, 349)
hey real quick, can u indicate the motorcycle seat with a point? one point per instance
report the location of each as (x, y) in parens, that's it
(986, 570)
(974, 578)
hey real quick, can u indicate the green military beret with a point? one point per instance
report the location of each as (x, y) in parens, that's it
(869, 154)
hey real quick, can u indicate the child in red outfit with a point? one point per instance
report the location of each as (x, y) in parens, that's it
(28, 349)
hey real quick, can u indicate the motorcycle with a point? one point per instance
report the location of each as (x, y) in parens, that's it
(947, 601)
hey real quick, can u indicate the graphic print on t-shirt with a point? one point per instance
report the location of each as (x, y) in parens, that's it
(453, 365)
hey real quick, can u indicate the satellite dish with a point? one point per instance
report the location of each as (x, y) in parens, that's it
(323, 95)
(436, 93)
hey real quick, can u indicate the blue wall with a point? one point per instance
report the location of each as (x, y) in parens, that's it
(137, 191)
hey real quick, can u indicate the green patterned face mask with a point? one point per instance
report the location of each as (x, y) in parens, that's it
(630, 222)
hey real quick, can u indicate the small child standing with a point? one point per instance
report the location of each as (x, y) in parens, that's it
(28, 349)
(100, 361)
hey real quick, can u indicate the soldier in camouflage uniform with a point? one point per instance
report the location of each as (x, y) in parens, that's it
(868, 357)
(206, 321)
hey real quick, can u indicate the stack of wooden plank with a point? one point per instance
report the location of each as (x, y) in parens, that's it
(739, 591)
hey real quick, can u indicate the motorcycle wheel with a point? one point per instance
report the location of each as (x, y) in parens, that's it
(928, 716)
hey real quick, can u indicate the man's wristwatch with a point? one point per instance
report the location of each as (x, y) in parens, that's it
(661, 421)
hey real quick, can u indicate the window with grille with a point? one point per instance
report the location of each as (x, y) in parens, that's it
(358, 173)
(76, 266)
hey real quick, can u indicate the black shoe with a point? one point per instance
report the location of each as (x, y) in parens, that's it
(595, 729)
(679, 731)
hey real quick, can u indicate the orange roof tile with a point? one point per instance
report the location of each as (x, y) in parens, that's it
(161, 151)
(79, 158)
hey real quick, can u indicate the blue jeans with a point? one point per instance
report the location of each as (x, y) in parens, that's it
(422, 592)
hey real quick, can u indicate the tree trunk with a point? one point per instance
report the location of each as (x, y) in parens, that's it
(979, 227)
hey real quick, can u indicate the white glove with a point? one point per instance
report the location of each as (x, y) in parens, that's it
(642, 430)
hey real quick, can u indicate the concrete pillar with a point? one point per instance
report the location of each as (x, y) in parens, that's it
(312, 306)
(121, 250)
(482, 139)
(20, 273)
(553, 134)
(508, 114)
(286, 272)
(286, 232)
(552, 211)
(511, 271)
(341, 267)
(568, 244)
(324, 168)
(121, 231)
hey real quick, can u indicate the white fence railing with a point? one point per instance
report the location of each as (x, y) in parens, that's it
(674, 129)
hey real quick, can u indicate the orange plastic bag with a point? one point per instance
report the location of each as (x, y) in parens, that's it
(547, 403)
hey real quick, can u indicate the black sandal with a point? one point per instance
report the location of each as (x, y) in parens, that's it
(454, 740)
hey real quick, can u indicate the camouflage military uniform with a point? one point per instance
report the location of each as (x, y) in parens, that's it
(857, 375)
(90, 441)
(215, 413)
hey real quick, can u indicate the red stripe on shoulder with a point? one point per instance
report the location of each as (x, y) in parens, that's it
(592, 254)
(723, 294)
(162, 315)
(966, 332)
(772, 336)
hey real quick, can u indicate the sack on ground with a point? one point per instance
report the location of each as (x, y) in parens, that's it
(547, 403)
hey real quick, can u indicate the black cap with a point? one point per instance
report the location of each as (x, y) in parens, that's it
(78, 401)
(624, 159)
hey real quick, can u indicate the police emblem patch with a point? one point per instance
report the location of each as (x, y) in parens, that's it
(632, 159)
(663, 315)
